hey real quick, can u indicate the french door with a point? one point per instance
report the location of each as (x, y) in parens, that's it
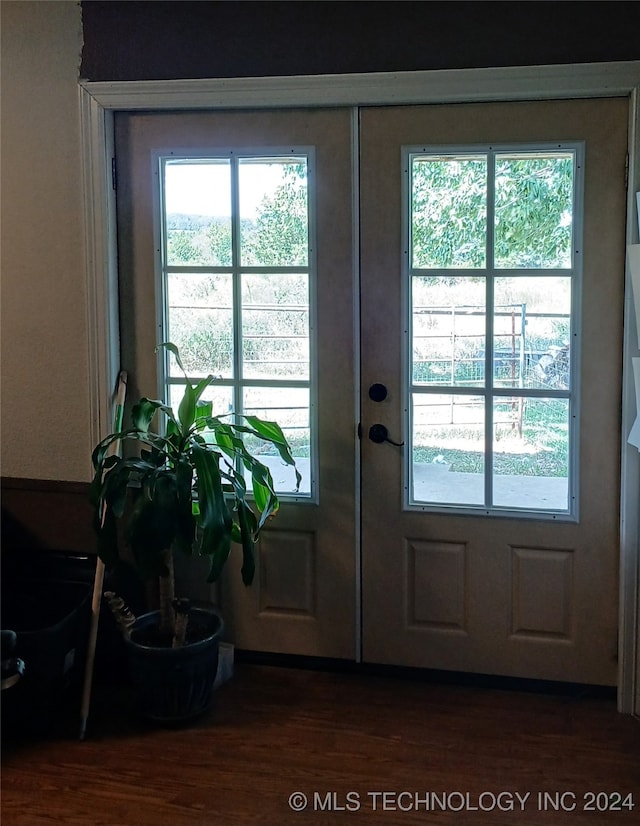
(483, 538)
(276, 331)
(511, 567)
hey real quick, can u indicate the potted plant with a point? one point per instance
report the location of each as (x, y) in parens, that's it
(183, 489)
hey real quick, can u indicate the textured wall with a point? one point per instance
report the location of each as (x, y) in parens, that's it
(160, 40)
(45, 388)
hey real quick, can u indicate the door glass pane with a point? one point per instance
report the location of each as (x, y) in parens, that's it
(448, 449)
(534, 210)
(274, 218)
(531, 453)
(517, 205)
(200, 323)
(289, 406)
(532, 332)
(237, 212)
(449, 324)
(275, 325)
(448, 211)
(197, 197)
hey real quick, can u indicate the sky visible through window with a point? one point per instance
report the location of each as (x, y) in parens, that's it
(204, 189)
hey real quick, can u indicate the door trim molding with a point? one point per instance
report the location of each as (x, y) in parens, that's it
(629, 601)
(99, 101)
(372, 89)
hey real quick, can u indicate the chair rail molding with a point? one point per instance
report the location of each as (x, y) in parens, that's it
(99, 101)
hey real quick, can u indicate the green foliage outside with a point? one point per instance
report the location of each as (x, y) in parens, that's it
(533, 200)
(275, 317)
(533, 229)
(280, 236)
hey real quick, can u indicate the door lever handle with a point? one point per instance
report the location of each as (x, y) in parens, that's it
(378, 433)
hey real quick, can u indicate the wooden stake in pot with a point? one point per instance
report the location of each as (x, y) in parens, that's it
(99, 575)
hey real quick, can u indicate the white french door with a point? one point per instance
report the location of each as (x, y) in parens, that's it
(444, 578)
(489, 540)
(267, 308)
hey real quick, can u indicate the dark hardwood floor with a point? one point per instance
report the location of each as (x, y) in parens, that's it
(442, 754)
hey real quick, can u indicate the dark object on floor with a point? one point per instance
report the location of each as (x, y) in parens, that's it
(49, 622)
(12, 667)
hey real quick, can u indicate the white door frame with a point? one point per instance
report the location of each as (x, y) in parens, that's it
(99, 101)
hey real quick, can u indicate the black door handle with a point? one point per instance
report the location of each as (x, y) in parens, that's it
(378, 433)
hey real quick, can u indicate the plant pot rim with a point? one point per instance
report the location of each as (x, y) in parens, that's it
(150, 618)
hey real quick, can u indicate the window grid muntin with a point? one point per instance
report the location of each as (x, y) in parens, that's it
(238, 383)
(490, 391)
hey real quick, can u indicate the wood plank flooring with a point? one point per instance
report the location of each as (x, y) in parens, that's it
(444, 754)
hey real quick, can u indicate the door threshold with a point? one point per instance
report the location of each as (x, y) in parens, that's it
(428, 675)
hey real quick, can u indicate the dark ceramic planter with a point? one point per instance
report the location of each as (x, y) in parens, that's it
(174, 685)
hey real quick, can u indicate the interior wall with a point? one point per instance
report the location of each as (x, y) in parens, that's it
(45, 389)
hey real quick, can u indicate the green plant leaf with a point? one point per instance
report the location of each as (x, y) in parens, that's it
(203, 413)
(227, 440)
(148, 536)
(199, 389)
(184, 480)
(218, 561)
(144, 411)
(185, 521)
(248, 546)
(272, 432)
(172, 349)
(214, 518)
(114, 489)
(95, 487)
(101, 450)
(191, 408)
(187, 408)
(263, 493)
(184, 490)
